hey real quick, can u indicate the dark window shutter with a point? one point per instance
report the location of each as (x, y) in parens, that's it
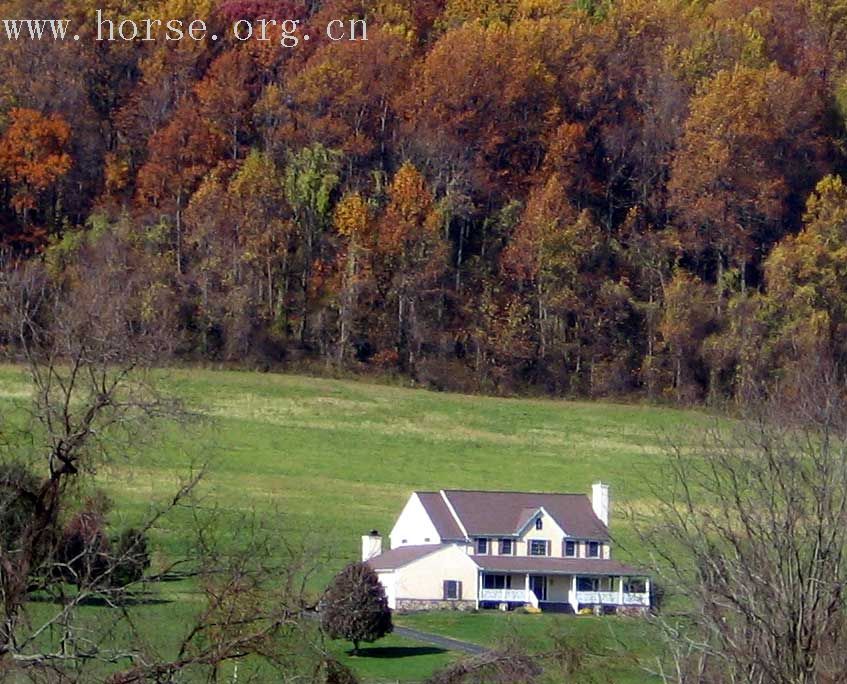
(564, 549)
(547, 548)
(445, 589)
(459, 591)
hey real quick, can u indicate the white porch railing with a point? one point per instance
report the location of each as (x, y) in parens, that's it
(612, 598)
(512, 595)
(509, 596)
(636, 600)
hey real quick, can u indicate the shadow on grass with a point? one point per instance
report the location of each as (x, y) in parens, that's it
(129, 600)
(175, 577)
(133, 600)
(397, 651)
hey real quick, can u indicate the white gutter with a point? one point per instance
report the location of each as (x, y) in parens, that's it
(453, 513)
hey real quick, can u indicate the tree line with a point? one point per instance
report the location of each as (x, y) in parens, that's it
(595, 197)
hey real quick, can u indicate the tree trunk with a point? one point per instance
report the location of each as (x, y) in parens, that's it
(178, 246)
(678, 378)
(348, 298)
(307, 275)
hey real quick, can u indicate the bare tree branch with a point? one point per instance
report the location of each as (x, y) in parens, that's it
(748, 536)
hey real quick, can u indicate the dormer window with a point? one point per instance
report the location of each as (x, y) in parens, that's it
(539, 524)
(482, 546)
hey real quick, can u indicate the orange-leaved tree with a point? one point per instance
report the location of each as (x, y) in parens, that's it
(33, 157)
(179, 156)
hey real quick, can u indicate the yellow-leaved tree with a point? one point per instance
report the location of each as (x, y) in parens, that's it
(806, 274)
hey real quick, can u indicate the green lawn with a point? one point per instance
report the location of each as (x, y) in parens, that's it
(329, 459)
(394, 659)
(619, 647)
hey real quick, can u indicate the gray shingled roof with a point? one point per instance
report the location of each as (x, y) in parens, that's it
(399, 557)
(440, 515)
(555, 566)
(504, 513)
(403, 555)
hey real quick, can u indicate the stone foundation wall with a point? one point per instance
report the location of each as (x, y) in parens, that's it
(427, 604)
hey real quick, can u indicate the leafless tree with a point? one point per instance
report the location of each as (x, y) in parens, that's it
(256, 604)
(748, 536)
(90, 342)
(87, 353)
(494, 667)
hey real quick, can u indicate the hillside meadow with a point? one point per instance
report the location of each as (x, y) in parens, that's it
(321, 461)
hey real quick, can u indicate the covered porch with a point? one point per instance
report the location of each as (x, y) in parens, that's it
(562, 592)
(617, 592)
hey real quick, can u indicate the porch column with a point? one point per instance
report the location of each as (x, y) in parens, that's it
(647, 588)
(574, 602)
(620, 591)
(526, 588)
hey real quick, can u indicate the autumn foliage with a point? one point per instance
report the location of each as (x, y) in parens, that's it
(587, 198)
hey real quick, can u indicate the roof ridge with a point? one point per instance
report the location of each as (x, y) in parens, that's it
(486, 512)
(454, 513)
(416, 546)
(511, 491)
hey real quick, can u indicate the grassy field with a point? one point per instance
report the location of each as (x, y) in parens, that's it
(618, 647)
(328, 460)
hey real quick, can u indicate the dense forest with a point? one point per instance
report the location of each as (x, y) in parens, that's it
(580, 198)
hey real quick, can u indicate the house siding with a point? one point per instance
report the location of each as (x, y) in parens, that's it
(387, 580)
(423, 580)
(422, 564)
(605, 550)
(414, 526)
(550, 533)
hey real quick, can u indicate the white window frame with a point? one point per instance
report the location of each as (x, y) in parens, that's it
(538, 541)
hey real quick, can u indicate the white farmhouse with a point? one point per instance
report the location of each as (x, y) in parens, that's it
(473, 549)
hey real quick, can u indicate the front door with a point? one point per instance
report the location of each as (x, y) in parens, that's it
(538, 586)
